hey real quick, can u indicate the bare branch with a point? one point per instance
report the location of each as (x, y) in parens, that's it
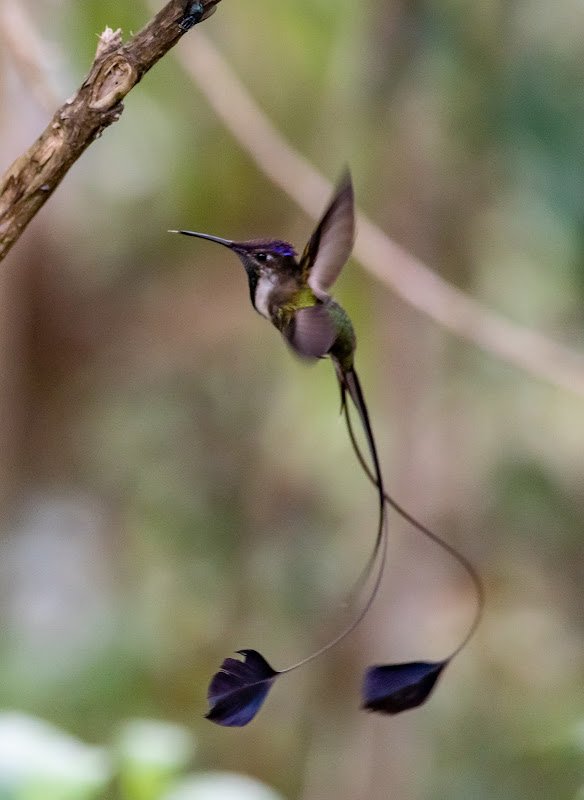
(117, 68)
(406, 275)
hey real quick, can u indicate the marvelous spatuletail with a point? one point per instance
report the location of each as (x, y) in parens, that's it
(294, 296)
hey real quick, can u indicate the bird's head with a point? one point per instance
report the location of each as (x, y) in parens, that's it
(261, 258)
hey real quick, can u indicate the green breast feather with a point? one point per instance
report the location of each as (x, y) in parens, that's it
(346, 341)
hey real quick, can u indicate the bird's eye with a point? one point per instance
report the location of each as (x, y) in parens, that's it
(261, 256)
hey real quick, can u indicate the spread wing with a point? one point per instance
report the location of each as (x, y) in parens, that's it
(331, 243)
(311, 333)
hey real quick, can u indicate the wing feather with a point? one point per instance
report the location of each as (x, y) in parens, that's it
(331, 243)
(311, 333)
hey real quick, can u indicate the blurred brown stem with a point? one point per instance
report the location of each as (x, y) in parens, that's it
(117, 68)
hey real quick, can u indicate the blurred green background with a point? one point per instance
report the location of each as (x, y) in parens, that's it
(176, 486)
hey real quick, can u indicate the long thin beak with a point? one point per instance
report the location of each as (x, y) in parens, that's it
(218, 239)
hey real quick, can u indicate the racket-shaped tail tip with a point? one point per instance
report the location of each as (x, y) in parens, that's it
(393, 688)
(237, 692)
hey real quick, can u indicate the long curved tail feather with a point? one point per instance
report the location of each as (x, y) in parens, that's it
(349, 382)
(421, 528)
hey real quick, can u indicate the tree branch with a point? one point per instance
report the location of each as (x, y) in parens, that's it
(403, 273)
(117, 68)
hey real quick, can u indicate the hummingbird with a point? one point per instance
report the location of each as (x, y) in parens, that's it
(293, 293)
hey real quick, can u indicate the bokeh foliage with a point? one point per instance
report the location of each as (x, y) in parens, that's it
(176, 486)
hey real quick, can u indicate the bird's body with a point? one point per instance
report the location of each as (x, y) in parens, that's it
(282, 292)
(293, 294)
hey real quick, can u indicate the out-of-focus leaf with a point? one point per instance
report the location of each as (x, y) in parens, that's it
(151, 754)
(40, 762)
(221, 786)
